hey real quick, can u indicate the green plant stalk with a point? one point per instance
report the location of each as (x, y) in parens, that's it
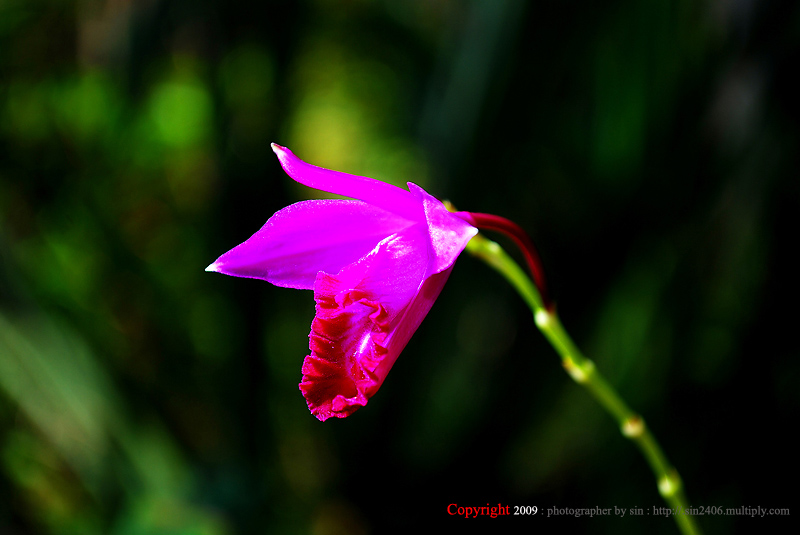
(583, 372)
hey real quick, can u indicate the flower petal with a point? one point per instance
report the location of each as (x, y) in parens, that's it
(308, 237)
(366, 314)
(366, 189)
(448, 233)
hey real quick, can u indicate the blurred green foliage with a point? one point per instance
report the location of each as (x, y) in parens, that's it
(649, 147)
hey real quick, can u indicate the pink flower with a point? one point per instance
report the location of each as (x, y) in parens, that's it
(376, 266)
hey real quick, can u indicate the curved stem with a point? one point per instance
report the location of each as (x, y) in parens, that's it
(521, 239)
(583, 371)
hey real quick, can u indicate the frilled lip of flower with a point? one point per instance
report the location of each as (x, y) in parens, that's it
(376, 265)
(365, 316)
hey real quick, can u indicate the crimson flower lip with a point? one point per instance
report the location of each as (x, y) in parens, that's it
(376, 265)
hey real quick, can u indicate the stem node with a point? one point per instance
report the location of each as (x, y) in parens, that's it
(633, 427)
(542, 318)
(669, 485)
(579, 373)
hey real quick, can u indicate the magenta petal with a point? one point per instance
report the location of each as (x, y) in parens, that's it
(448, 233)
(366, 189)
(307, 237)
(366, 315)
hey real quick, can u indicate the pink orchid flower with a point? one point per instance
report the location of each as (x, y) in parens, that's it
(376, 265)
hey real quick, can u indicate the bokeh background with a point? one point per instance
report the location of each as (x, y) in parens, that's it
(650, 148)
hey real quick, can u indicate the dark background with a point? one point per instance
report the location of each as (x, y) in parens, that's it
(650, 148)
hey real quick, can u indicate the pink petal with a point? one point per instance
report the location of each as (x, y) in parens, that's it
(366, 315)
(369, 190)
(448, 233)
(308, 237)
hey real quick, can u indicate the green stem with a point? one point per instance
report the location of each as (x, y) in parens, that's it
(584, 372)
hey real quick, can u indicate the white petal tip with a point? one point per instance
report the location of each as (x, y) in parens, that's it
(212, 267)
